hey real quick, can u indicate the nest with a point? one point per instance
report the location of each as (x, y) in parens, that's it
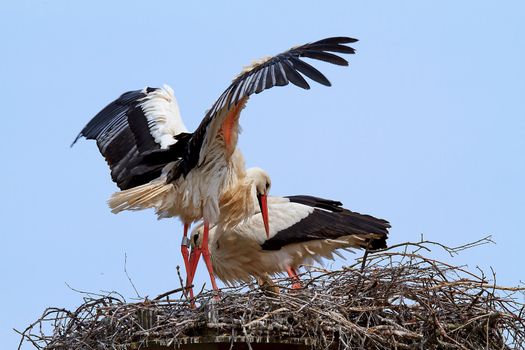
(391, 299)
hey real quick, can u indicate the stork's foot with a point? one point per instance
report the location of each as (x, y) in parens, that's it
(267, 285)
(296, 285)
(217, 295)
(296, 282)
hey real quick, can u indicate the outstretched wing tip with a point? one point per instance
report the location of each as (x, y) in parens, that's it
(280, 70)
(338, 39)
(288, 67)
(348, 40)
(75, 140)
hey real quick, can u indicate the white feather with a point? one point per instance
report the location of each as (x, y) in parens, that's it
(163, 115)
(191, 197)
(237, 254)
(282, 214)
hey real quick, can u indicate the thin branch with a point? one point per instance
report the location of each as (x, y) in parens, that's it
(176, 290)
(129, 278)
(394, 298)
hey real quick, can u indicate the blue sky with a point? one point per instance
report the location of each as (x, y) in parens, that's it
(426, 129)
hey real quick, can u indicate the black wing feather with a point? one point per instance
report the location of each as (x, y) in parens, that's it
(138, 123)
(277, 71)
(280, 76)
(329, 220)
(122, 135)
(336, 48)
(325, 56)
(270, 77)
(262, 83)
(293, 75)
(277, 75)
(110, 117)
(136, 159)
(310, 71)
(317, 202)
(335, 40)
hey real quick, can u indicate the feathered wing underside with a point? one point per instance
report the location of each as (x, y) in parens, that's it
(149, 132)
(280, 70)
(156, 120)
(148, 195)
(136, 123)
(329, 221)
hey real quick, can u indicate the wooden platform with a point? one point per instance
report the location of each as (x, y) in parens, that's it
(224, 343)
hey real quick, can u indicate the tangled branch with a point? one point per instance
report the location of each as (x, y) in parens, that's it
(395, 298)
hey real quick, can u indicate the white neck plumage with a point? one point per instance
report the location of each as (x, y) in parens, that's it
(240, 201)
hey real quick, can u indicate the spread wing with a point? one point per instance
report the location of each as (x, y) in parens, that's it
(136, 123)
(287, 67)
(141, 132)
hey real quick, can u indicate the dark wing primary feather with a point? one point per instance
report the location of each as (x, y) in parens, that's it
(121, 128)
(123, 133)
(111, 120)
(329, 221)
(286, 67)
(115, 140)
(275, 71)
(317, 202)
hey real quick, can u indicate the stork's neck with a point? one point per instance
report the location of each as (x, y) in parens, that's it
(222, 174)
(237, 170)
(237, 202)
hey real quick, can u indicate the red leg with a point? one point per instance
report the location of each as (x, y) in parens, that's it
(293, 275)
(184, 248)
(195, 255)
(192, 264)
(185, 256)
(206, 255)
(194, 261)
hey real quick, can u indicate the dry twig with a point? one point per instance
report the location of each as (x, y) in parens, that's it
(396, 299)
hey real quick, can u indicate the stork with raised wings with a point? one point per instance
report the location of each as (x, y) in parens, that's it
(157, 164)
(304, 228)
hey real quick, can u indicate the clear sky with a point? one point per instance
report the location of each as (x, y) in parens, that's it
(426, 129)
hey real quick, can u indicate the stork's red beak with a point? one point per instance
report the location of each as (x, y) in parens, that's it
(264, 211)
(193, 262)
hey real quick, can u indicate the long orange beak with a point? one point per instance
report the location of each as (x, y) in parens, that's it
(264, 211)
(193, 262)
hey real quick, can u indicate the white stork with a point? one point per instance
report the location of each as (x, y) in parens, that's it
(304, 228)
(157, 164)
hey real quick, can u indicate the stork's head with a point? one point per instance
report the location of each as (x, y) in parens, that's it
(261, 183)
(196, 248)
